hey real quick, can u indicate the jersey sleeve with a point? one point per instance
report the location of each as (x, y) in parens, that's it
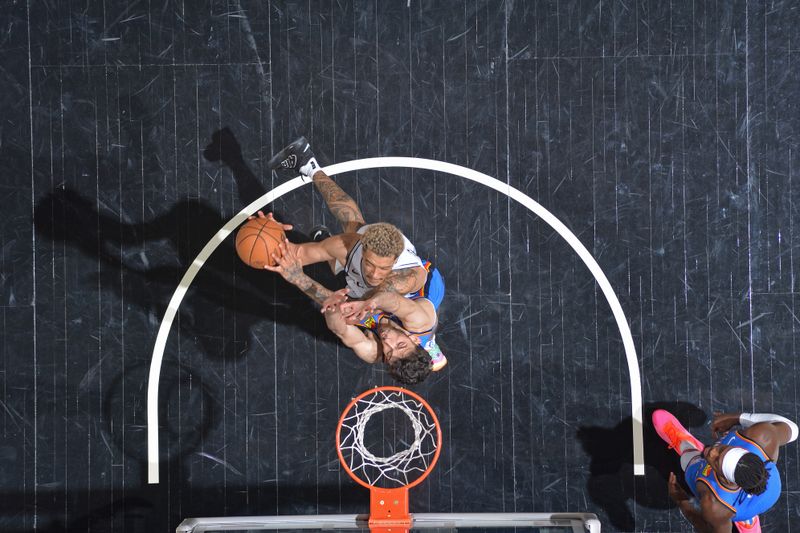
(409, 257)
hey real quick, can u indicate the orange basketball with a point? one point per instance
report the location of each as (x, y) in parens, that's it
(257, 240)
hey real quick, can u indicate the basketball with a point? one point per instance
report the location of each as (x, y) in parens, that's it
(257, 240)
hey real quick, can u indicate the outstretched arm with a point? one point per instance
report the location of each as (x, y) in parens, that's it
(288, 265)
(342, 206)
(402, 281)
(416, 315)
(332, 248)
(364, 346)
(769, 430)
(710, 518)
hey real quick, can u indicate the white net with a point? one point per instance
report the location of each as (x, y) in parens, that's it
(401, 467)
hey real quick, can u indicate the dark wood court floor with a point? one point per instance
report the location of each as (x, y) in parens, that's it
(664, 134)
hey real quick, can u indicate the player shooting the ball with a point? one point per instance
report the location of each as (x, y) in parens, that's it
(399, 293)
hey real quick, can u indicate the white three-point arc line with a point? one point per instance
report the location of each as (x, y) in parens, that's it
(401, 162)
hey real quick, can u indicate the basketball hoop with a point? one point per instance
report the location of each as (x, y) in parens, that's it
(388, 477)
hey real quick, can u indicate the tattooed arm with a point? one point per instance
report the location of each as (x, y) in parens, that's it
(402, 281)
(342, 206)
(415, 315)
(288, 265)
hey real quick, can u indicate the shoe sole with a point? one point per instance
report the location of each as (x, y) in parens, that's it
(295, 147)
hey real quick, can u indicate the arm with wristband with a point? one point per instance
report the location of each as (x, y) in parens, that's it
(748, 419)
(769, 430)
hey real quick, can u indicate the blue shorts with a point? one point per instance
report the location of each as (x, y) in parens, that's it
(433, 289)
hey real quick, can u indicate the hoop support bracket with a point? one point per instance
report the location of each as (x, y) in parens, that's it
(388, 510)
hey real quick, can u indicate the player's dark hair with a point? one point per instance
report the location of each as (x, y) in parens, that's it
(751, 474)
(412, 369)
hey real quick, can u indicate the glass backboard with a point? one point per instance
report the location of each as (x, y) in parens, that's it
(428, 522)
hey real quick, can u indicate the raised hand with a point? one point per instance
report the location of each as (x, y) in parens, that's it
(723, 422)
(333, 301)
(676, 492)
(287, 263)
(356, 311)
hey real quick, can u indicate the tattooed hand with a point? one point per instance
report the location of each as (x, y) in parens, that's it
(287, 263)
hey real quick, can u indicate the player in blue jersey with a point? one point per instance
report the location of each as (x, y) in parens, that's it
(734, 479)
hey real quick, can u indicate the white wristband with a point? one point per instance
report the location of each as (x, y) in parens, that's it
(748, 419)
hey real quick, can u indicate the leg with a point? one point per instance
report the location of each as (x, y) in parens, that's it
(340, 203)
(298, 157)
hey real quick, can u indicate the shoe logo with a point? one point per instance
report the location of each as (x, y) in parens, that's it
(289, 162)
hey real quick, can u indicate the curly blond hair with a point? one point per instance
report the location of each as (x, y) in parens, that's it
(384, 240)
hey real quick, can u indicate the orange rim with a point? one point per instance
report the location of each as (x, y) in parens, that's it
(400, 390)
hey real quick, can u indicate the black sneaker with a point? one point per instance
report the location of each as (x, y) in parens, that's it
(319, 233)
(297, 158)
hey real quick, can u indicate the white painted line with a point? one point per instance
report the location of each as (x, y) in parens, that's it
(401, 162)
(172, 310)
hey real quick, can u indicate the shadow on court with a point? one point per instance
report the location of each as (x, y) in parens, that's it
(196, 480)
(143, 262)
(157, 508)
(611, 482)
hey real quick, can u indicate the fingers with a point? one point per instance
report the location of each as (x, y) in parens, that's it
(334, 301)
(289, 250)
(367, 310)
(282, 257)
(351, 308)
(270, 216)
(286, 227)
(285, 252)
(260, 215)
(672, 486)
(331, 304)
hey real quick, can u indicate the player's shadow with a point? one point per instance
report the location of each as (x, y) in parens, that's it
(188, 412)
(224, 148)
(144, 262)
(611, 481)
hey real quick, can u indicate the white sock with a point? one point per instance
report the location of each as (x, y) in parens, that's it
(686, 446)
(687, 458)
(310, 168)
